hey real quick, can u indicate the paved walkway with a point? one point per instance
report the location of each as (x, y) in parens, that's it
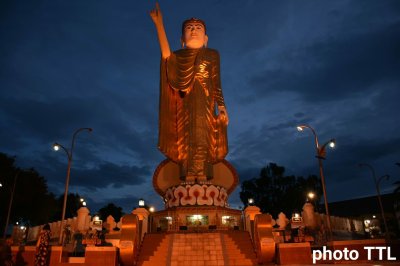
(372, 263)
(364, 263)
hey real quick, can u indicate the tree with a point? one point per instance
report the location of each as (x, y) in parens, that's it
(397, 189)
(110, 209)
(32, 202)
(73, 205)
(273, 192)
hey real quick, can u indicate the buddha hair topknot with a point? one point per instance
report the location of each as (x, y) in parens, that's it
(193, 20)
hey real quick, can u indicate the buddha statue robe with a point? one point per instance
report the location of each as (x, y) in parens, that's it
(190, 131)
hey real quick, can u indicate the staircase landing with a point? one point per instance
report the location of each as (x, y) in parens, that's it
(194, 248)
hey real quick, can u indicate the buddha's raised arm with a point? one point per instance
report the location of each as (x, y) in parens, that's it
(156, 16)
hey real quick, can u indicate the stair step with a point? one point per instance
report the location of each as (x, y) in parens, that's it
(215, 248)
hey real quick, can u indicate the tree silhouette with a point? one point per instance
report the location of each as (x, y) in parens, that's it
(110, 209)
(32, 203)
(73, 205)
(396, 193)
(273, 192)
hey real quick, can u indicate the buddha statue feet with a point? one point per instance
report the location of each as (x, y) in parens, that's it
(191, 179)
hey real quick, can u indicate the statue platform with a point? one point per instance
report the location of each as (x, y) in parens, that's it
(176, 192)
(196, 218)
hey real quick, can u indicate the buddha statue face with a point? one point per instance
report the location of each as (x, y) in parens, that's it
(194, 35)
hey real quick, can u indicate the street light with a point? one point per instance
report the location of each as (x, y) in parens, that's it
(56, 147)
(321, 155)
(310, 196)
(83, 202)
(12, 192)
(141, 203)
(378, 192)
(250, 201)
(10, 203)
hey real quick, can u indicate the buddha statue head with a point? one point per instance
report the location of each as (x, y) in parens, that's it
(194, 33)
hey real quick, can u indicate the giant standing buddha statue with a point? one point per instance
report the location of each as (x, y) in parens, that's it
(193, 122)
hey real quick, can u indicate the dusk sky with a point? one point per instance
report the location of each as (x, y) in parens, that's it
(334, 65)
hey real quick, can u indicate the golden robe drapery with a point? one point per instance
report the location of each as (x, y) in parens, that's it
(190, 132)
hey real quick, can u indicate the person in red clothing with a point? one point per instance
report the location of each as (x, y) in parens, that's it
(42, 256)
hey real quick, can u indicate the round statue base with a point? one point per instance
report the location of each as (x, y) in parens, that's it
(177, 193)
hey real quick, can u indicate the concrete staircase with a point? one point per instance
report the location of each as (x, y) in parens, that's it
(197, 249)
(154, 250)
(191, 248)
(239, 248)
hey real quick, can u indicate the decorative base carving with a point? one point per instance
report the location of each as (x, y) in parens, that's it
(166, 179)
(191, 195)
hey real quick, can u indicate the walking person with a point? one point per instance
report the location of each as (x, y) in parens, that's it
(42, 257)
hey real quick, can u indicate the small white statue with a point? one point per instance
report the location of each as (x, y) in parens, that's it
(282, 221)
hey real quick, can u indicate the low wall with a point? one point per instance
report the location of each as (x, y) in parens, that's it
(23, 255)
(367, 249)
(294, 253)
(98, 256)
(94, 256)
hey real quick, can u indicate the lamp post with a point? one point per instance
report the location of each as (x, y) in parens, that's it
(83, 202)
(12, 193)
(321, 155)
(310, 196)
(56, 147)
(10, 204)
(141, 203)
(250, 201)
(378, 193)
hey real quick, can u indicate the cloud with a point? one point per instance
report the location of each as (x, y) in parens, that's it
(127, 203)
(68, 65)
(109, 173)
(352, 64)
